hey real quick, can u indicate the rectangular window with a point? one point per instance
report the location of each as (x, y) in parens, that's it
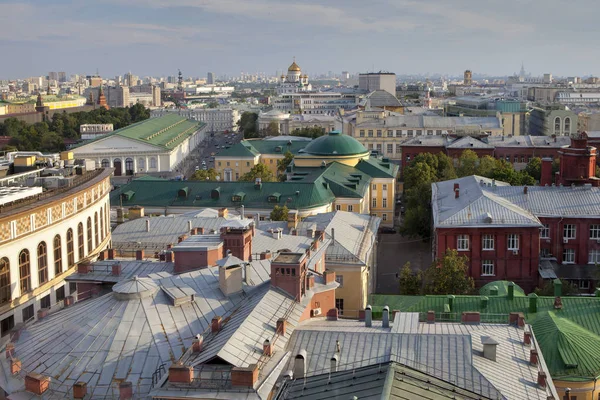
(398, 133)
(45, 302)
(340, 279)
(379, 147)
(569, 231)
(384, 217)
(487, 268)
(513, 242)
(72, 288)
(378, 132)
(370, 133)
(545, 232)
(594, 231)
(569, 256)
(429, 132)
(419, 132)
(390, 148)
(219, 163)
(60, 293)
(7, 324)
(339, 304)
(374, 186)
(229, 163)
(487, 242)
(384, 203)
(338, 207)
(370, 146)
(545, 253)
(438, 132)
(390, 133)
(594, 257)
(247, 163)
(362, 133)
(350, 208)
(462, 242)
(398, 147)
(27, 313)
(374, 202)
(384, 186)
(583, 284)
(409, 132)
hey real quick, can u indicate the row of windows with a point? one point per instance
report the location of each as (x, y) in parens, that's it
(487, 242)
(24, 258)
(399, 132)
(237, 164)
(513, 159)
(557, 125)
(383, 202)
(105, 163)
(570, 231)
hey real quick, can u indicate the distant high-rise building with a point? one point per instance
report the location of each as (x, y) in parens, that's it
(210, 79)
(378, 81)
(345, 75)
(53, 76)
(468, 78)
(94, 81)
(62, 76)
(130, 79)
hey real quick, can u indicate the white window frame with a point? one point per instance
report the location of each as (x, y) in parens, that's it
(545, 232)
(487, 268)
(568, 256)
(340, 279)
(338, 207)
(485, 242)
(594, 256)
(569, 231)
(384, 203)
(350, 208)
(584, 284)
(595, 232)
(374, 202)
(462, 243)
(384, 217)
(512, 241)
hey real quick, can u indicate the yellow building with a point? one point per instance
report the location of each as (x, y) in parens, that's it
(359, 182)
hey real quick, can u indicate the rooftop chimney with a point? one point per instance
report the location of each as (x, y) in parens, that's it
(126, 390)
(267, 348)
(300, 364)
(36, 383)
(489, 347)
(368, 316)
(281, 326)
(190, 225)
(79, 390)
(216, 324)
(147, 225)
(456, 191)
(524, 189)
(386, 317)
(244, 376)
(334, 363)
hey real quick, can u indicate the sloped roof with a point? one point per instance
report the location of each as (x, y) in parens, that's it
(476, 206)
(378, 168)
(502, 287)
(468, 142)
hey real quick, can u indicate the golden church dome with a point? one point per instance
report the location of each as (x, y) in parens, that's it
(294, 67)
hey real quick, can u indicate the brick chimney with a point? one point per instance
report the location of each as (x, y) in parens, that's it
(223, 212)
(541, 380)
(239, 241)
(431, 317)
(84, 268)
(265, 255)
(456, 190)
(527, 338)
(244, 376)
(216, 324)
(470, 317)
(116, 269)
(79, 390)
(329, 276)
(15, 366)
(36, 383)
(197, 344)
(533, 356)
(281, 326)
(179, 373)
(267, 348)
(139, 255)
(546, 174)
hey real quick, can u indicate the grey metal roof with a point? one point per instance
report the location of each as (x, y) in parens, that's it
(433, 122)
(264, 240)
(433, 141)
(476, 205)
(468, 142)
(102, 270)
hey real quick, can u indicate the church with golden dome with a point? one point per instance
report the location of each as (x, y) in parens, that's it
(294, 81)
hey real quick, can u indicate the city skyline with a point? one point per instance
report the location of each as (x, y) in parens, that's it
(155, 37)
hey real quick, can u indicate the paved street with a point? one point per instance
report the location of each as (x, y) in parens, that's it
(393, 252)
(209, 145)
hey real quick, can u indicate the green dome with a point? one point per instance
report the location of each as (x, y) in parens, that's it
(335, 144)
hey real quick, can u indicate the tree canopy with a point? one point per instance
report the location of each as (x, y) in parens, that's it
(279, 213)
(272, 129)
(309, 132)
(204, 175)
(50, 135)
(449, 275)
(282, 164)
(248, 124)
(258, 171)
(410, 282)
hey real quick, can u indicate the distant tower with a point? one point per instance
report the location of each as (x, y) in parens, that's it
(180, 81)
(210, 78)
(90, 100)
(39, 104)
(102, 98)
(468, 80)
(48, 92)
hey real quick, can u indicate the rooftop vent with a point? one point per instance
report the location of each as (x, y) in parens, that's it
(489, 347)
(134, 288)
(179, 294)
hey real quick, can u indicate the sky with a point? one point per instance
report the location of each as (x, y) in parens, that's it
(158, 37)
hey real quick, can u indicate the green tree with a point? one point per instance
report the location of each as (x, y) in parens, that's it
(213, 104)
(204, 175)
(248, 124)
(449, 275)
(467, 163)
(258, 171)
(279, 213)
(282, 164)
(273, 129)
(486, 166)
(568, 289)
(410, 282)
(445, 168)
(309, 132)
(534, 168)
(418, 172)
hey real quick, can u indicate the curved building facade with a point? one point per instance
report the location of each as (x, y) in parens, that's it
(43, 238)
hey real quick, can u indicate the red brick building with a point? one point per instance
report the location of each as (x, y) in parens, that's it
(521, 233)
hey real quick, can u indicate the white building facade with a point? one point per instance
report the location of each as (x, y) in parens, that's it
(216, 119)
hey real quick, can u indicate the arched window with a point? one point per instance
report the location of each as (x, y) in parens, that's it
(567, 126)
(90, 244)
(57, 255)
(105, 163)
(141, 164)
(153, 163)
(107, 225)
(129, 166)
(80, 241)
(96, 228)
(42, 263)
(24, 271)
(101, 223)
(5, 296)
(557, 126)
(70, 248)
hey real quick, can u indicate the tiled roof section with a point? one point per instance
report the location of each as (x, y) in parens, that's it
(476, 206)
(468, 142)
(582, 312)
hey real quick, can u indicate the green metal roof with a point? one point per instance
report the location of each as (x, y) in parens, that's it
(378, 167)
(252, 148)
(502, 287)
(335, 144)
(167, 131)
(569, 338)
